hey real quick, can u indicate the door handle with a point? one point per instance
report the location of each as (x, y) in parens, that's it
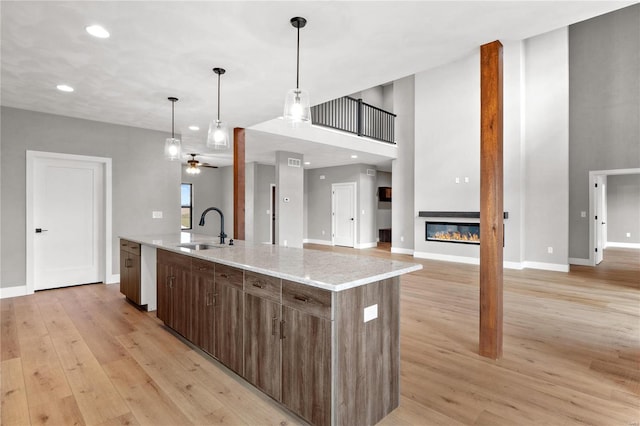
(351, 219)
(40, 230)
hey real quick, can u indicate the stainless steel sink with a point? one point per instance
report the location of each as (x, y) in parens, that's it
(200, 246)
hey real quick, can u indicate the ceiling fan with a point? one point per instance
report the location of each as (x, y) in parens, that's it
(193, 165)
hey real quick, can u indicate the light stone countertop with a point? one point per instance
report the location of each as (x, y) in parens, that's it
(327, 270)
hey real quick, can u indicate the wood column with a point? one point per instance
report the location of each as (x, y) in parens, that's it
(238, 183)
(491, 200)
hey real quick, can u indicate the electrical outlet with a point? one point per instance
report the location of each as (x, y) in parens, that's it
(402, 239)
(583, 214)
(156, 215)
(370, 312)
(628, 234)
(457, 180)
(323, 232)
(466, 179)
(550, 250)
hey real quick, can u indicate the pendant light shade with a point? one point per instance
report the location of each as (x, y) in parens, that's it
(218, 136)
(297, 108)
(172, 145)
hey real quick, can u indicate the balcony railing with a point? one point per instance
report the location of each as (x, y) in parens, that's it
(355, 116)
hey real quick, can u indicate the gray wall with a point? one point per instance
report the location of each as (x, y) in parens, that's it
(383, 214)
(623, 208)
(142, 180)
(289, 215)
(403, 211)
(318, 195)
(604, 106)
(264, 176)
(210, 189)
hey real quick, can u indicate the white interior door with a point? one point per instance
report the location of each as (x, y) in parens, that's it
(599, 219)
(343, 202)
(68, 219)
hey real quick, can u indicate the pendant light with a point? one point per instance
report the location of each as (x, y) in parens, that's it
(218, 136)
(297, 108)
(172, 145)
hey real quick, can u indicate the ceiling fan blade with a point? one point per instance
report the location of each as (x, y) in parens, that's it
(211, 166)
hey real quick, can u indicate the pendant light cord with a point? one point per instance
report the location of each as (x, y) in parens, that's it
(218, 97)
(173, 104)
(298, 61)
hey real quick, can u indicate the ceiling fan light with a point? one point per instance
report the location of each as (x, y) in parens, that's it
(297, 108)
(218, 135)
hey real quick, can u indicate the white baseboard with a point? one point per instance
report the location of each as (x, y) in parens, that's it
(506, 264)
(558, 267)
(400, 250)
(321, 242)
(579, 261)
(16, 291)
(513, 265)
(447, 257)
(623, 245)
(366, 245)
(113, 279)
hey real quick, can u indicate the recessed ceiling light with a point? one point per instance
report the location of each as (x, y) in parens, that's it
(354, 156)
(97, 31)
(307, 163)
(194, 128)
(64, 88)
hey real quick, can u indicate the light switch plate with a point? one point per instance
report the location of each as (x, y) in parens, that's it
(156, 215)
(370, 312)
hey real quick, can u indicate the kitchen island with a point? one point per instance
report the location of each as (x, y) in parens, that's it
(317, 331)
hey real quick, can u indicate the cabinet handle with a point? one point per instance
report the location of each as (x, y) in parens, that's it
(210, 298)
(273, 326)
(257, 285)
(224, 275)
(202, 268)
(301, 298)
(282, 336)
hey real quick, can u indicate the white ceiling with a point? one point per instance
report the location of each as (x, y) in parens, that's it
(159, 49)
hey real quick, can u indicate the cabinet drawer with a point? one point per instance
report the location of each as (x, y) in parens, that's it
(130, 247)
(228, 275)
(305, 298)
(167, 257)
(262, 285)
(202, 266)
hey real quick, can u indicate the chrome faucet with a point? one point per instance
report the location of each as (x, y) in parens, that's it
(204, 213)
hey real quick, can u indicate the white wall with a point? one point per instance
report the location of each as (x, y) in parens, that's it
(403, 212)
(547, 148)
(289, 214)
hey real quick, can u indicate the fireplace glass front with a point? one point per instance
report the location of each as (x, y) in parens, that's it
(453, 232)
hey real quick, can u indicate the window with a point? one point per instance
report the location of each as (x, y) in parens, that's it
(186, 204)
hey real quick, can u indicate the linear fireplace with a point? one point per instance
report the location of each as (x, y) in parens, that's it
(453, 232)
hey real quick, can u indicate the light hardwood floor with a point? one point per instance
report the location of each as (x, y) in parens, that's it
(83, 355)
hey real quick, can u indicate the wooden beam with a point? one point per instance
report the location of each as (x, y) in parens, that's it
(491, 200)
(238, 183)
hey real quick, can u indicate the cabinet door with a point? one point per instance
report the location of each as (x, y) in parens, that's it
(181, 298)
(124, 272)
(228, 327)
(262, 344)
(306, 365)
(133, 278)
(202, 310)
(164, 283)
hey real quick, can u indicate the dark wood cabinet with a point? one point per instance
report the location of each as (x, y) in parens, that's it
(203, 297)
(174, 291)
(130, 273)
(306, 352)
(262, 362)
(228, 317)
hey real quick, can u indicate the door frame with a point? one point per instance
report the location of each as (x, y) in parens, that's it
(593, 174)
(32, 156)
(355, 211)
(272, 208)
